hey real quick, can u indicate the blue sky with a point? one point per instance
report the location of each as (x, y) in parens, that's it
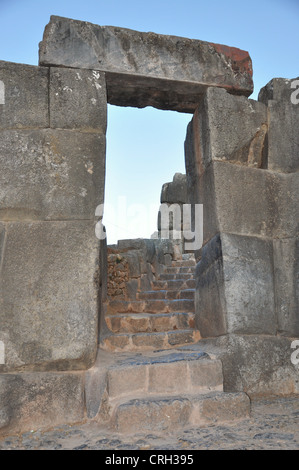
(146, 147)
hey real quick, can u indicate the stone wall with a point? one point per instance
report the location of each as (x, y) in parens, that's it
(242, 164)
(173, 193)
(52, 174)
(52, 161)
(118, 275)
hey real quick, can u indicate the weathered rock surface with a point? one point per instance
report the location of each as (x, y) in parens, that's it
(175, 192)
(57, 174)
(235, 287)
(26, 96)
(280, 95)
(43, 324)
(147, 69)
(78, 99)
(248, 201)
(286, 272)
(32, 400)
(229, 128)
(172, 218)
(259, 365)
(164, 414)
(241, 164)
(52, 160)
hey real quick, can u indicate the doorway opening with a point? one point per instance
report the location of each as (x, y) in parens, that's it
(145, 148)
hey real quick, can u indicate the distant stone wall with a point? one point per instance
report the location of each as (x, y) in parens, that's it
(174, 192)
(142, 260)
(118, 275)
(133, 265)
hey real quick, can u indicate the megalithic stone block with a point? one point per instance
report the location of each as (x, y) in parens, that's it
(175, 192)
(226, 128)
(78, 100)
(238, 198)
(258, 365)
(286, 269)
(24, 96)
(249, 201)
(235, 287)
(57, 174)
(147, 69)
(40, 400)
(225, 150)
(281, 96)
(49, 295)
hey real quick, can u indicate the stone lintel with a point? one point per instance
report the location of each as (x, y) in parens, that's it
(147, 69)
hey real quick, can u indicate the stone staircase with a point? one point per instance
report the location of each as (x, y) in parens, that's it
(160, 318)
(161, 390)
(151, 372)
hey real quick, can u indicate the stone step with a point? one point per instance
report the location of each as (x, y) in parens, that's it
(169, 413)
(150, 341)
(174, 284)
(177, 270)
(150, 306)
(184, 263)
(161, 390)
(166, 414)
(170, 372)
(188, 256)
(167, 294)
(173, 276)
(149, 322)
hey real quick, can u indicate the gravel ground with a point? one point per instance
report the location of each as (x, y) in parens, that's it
(274, 425)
